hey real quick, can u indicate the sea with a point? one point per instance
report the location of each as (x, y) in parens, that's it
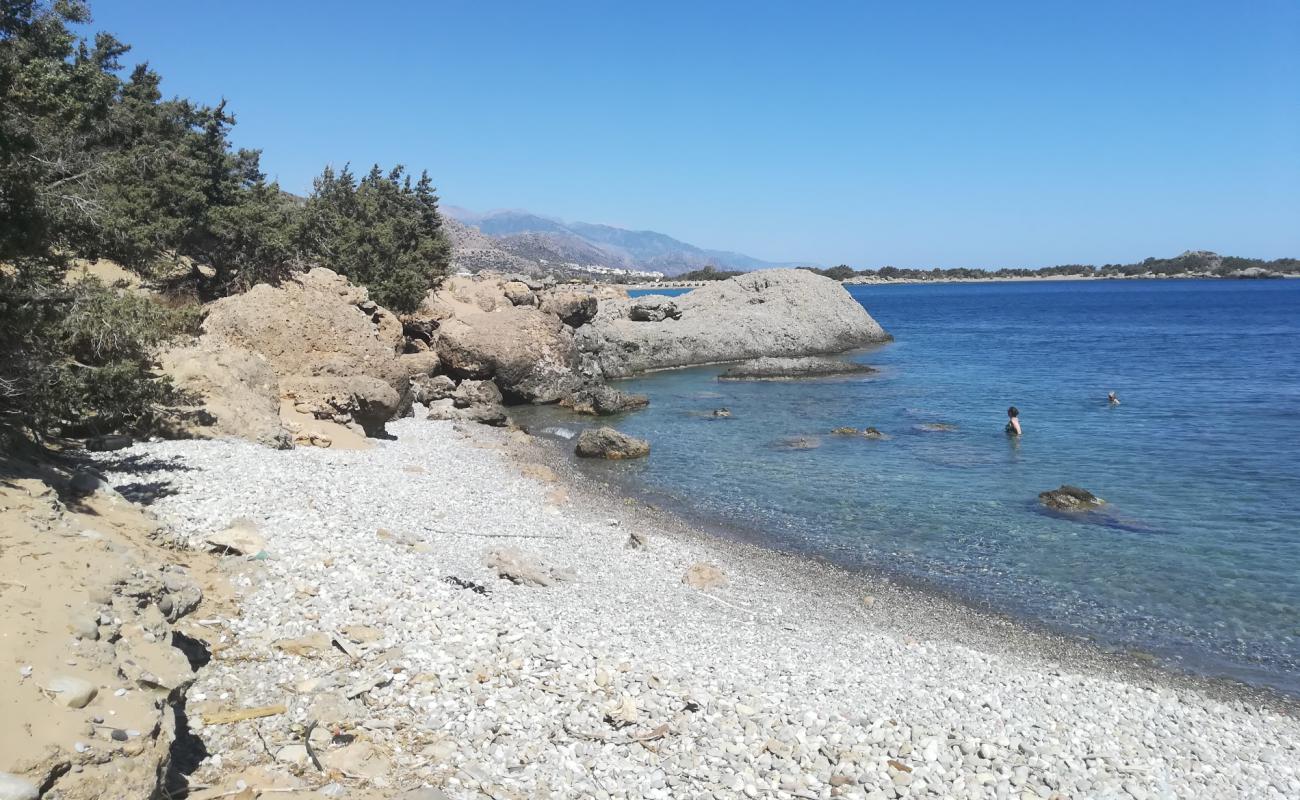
(1195, 560)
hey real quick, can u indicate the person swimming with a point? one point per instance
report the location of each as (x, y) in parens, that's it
(1013, 421)
(1112, 399)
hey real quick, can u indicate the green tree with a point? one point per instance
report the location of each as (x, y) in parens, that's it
(382, 232)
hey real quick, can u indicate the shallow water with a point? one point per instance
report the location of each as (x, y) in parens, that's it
(1197, 559)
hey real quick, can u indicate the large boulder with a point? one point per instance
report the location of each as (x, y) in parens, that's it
(780, 312)
(609, 444)
(601, 400)
(316, 324)
(529, 353)
(316, 341)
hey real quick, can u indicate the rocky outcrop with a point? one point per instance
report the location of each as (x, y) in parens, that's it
(225, 392)
(317, 342)
(609, 444)
(602, 400)
(1070, 499)
(781, 312)
(515, 333)
(777, 369)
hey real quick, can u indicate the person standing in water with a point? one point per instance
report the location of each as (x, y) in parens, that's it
(1112, 399)
(1013, 421)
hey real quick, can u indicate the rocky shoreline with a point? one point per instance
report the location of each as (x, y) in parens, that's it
(443, 612)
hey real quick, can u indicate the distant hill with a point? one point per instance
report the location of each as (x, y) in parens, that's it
(547, 240)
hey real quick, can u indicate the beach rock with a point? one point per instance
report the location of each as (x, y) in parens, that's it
(610, 444)
(603, 400)
(368, 401)
(530, 354)
(71, 691)
(494, 415)
(653, 308)
(1071, 499)
(320, 341)
(778, 312)
(476, 393)
(512, 565)
(574, 309)
(776, 369)
(427, 388)
(13, 787)
(704, 576)
(519, 294)
(241, 538)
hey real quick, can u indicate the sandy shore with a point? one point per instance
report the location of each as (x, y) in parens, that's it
(613, 677)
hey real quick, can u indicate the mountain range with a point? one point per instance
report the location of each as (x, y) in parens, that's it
(513, 236)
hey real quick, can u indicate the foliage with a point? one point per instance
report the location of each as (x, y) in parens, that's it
(78, 359)
(709, 273)
(381, 232)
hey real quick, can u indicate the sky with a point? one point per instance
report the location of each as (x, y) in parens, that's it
(914, 134)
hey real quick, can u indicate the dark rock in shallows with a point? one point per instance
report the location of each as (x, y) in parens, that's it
(936, 427)
(610, 444)
(1071, 499)
(779, 369)
(602, 400)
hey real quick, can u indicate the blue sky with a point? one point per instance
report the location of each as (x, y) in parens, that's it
(916, 134)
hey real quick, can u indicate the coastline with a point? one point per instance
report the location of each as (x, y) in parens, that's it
(781, 683)
(669, 284)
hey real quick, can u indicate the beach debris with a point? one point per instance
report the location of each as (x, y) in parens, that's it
(241, 538)
(241, 714)
(71, 691)
(313, 645)
(636, 541)
(607, 443)
(704, 576)
(461, 583)
(365, 684)
(1071, 499)
(516, 567)
(622, 712)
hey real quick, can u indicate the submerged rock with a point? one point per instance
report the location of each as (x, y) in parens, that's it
(777, 369)
(799, 443)
(1070, 498)
(610, 444)
(865, 433)
(777, 312)
(936, 427)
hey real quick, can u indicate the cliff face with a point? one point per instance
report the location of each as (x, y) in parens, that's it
(784, 312)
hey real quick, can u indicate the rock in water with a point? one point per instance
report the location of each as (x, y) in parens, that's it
(781, 369)
(602, 400)
(777, 312)
(1070, 498)
(799, 443)
(610, 444)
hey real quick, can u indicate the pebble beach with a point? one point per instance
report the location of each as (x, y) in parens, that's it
(445, 615)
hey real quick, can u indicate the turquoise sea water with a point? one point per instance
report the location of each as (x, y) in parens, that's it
(1199, 560)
